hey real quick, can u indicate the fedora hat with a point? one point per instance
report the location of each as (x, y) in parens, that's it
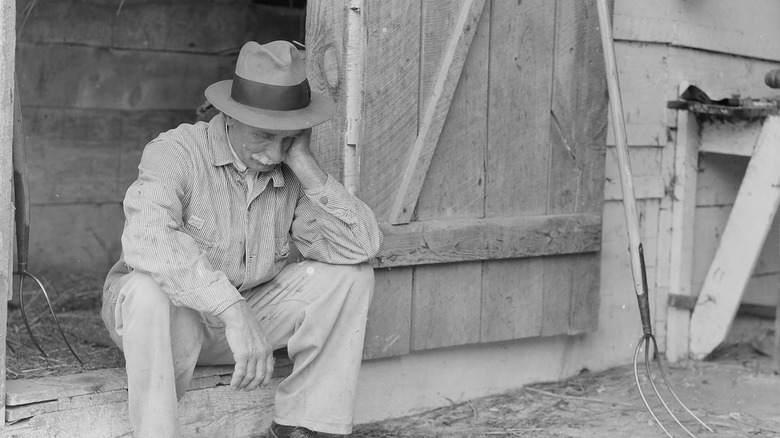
(269, 89)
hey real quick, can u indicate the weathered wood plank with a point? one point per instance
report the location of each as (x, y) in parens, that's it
(445, 308)
(436, 111)
(7, 96)
(650, 73)
(718, 179)
(738, 138)
(715, 26)
(116, 79)
(454, 185)
(586, 293)
(577, 156)
(388, 332)
(148, 25)
(517, 167)
(392, 82)
(520, 92)
(512, 304)
(326, 71)
(686, 161)
(753, 213)
(487, 239)
(211, 412)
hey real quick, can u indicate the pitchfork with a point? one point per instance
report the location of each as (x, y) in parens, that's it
(22, 220)
(632, 224)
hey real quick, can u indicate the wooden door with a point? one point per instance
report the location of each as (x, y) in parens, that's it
(482, 146)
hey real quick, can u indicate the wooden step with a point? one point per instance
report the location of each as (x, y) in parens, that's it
(94, 404)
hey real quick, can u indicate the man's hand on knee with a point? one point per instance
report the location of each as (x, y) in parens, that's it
(254, 357)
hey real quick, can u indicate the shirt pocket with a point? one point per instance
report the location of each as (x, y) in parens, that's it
(281, 248)
(202, 232)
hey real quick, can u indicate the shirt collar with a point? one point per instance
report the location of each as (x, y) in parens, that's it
(223, 154)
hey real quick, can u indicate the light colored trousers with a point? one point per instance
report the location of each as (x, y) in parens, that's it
(318, 311)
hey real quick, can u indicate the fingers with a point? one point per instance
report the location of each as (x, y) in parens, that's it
(269, 369)
(239, 372)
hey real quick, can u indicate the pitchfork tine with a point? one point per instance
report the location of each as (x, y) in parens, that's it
(51, 310)
(648, 338)
(669, 387)
(24, 314)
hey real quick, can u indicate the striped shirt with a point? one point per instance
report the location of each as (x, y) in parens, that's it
(192, 225)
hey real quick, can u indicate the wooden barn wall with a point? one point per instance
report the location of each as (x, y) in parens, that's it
(101, 78)
(725, 49)
(524, 137)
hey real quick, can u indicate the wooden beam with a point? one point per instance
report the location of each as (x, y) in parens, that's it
(436, 112)
(686, 164)
(7, 69)
(447, 241)
(741, 243)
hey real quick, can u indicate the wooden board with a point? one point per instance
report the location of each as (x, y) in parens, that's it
(518, 155)
(447, 241)
(714, 25)
(116, 79)
(391, 98)
(737, 138)
(7, 63)
(753, 213)
(512, 304)
(578, 146)
(650, 74)
(682, 228)
(432, 118)
(388, 332)
(455, 183)
(147, 25)
(326, 71)
(445, 306)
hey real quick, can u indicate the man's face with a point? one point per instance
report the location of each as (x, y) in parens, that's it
(260, 149)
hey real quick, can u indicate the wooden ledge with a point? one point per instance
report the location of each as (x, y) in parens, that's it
(95, 404)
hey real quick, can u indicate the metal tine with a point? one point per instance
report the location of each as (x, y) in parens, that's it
(24, 314)
(639, 386)
(659, 361)
(51, 310)
(648, 362)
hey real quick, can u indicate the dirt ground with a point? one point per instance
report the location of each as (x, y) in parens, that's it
(735, 392)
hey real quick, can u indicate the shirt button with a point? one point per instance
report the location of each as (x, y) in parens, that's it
(324, 200)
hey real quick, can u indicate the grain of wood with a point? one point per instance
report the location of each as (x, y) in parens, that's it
(392, 83)
(714, 26)
(448, 241)
(436, 111)
(682, 230)
(388, 332)
(7, 69)
(578, 125)
(445, 308)
(454, 184)
(325, 69)
(519, 92)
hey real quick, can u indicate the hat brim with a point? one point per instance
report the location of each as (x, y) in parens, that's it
(320, 110)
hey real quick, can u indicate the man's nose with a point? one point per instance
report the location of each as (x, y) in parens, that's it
(275, 151)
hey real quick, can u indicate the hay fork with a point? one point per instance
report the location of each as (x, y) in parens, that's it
(632, 224)
(22, 221)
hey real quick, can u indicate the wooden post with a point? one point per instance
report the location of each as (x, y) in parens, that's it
(355, 45)
(686, 167)
(7, 67)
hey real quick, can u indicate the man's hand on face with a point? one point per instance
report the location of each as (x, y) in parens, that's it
(254, 357)
(299, 149)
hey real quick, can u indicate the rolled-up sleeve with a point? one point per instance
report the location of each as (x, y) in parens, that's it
(154, 242)
(332, 226)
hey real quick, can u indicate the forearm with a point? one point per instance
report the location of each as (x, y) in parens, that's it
(308, 171)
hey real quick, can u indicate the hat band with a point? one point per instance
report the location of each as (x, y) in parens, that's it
(270, 97)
